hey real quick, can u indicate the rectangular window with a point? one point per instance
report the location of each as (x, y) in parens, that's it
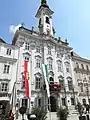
(70, 87)
(23, 82)
(38, 83)
(38, 63)
(62, 84)
(49, 51)
(81, 88)
(6, 68)
(63, 101)
(8, 51)
(24, 103)
(27, 46)
(50, 67)
(59, 64)
(39, 102)
(67, 67)
(38, 49)
(72, 101)
(58, 54)
(4, 87)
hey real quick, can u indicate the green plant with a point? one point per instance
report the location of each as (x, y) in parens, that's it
(80, 108)
(40, 113)
(62, 113)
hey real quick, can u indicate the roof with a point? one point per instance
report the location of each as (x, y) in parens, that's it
(1, 40)
(79, 58)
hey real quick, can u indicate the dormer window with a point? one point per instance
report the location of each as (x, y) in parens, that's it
(8, 51)
(82, 66)
(77, 65)
(87, 67)
(47, 20)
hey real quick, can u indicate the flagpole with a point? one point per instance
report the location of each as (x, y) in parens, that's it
(49, 108)
(29, 106)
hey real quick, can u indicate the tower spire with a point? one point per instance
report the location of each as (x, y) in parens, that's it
(43, 2)
(44, 15)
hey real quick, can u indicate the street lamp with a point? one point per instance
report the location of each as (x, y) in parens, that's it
(65, 98)
(22, 111)
(87, 91)
(74, 97)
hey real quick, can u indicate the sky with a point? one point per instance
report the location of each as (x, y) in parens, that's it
(71, 20)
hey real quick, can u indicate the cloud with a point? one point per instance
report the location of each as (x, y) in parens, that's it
(13, 28)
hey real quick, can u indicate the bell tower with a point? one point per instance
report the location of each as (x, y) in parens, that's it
(44, 15)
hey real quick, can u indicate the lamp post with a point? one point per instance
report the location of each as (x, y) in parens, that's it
(22, 111)
(65, 98)
(87, 91)
(74, 97)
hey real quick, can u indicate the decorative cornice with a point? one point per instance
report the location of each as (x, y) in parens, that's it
(36, 35)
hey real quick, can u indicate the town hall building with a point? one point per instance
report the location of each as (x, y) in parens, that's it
(38, 48)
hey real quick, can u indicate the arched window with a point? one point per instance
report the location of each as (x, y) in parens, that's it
(47, 20)
(51, 80)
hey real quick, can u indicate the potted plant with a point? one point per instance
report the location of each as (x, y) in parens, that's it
(40, 113)
(62, 113)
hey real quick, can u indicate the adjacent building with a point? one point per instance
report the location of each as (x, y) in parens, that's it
(8, 71)
(81, 70)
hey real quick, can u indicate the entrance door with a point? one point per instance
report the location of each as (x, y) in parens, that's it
(53, 104)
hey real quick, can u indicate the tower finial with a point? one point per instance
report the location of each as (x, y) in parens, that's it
(43, 2)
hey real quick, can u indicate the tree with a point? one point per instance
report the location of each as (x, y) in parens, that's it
(62, 113)
(40, 113)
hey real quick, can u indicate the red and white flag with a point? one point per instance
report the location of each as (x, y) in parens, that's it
(27, 78)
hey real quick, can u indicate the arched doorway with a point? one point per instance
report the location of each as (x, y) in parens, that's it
(53, 104)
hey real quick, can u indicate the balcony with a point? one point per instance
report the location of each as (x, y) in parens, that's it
(55, 87)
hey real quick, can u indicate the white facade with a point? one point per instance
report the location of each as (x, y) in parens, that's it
(41, 48)
(44, 50)
(81, 71)
(8, 68)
